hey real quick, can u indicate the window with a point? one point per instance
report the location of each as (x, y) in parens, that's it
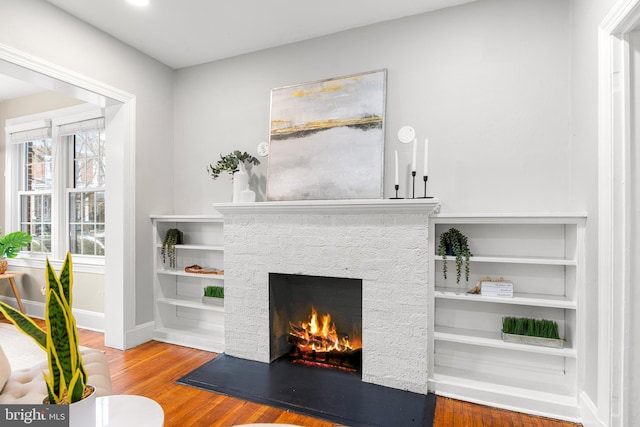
(57, 175)
(86, 196)
(36, 192)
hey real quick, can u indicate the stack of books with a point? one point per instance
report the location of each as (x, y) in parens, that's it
(496, 289)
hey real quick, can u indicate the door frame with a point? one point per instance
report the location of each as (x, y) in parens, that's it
(614, 212)
(120, 244)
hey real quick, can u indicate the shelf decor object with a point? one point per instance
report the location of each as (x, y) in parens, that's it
(238, 164)
(172, 237)
(213, 295)
(454, 243)
(531, 331)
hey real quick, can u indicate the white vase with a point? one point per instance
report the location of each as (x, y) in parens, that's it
(240, 182)
(83, 412)
(247, 195)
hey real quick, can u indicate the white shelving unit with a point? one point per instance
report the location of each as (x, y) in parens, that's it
(180, 316)
(543, 255)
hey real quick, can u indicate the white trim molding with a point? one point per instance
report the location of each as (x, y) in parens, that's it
(85, 319)
(614, 138)
(322, 207)
(120, 112)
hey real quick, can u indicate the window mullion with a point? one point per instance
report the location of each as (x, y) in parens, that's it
(59, 206)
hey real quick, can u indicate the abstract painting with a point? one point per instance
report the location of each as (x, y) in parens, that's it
(326, 139)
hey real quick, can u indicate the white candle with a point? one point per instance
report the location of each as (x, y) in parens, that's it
(397, 181)
(415, 150)
(426, 150)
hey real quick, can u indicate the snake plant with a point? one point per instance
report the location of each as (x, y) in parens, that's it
(67, 378)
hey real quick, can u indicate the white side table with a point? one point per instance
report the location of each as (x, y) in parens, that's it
(126, 410)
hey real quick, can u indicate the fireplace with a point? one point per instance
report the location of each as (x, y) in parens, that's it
(316, 320)
(381, 243)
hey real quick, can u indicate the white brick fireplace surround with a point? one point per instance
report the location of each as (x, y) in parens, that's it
(382, 242)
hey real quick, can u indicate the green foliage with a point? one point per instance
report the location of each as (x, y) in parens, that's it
(230, 162)
(530, 327)
(12, 243)
(457, 241)
(67, 378)
(172, 238)
(214, 292)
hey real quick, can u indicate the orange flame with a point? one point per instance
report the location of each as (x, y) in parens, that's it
(322, 336)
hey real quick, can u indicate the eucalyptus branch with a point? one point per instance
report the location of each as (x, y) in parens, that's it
(230, 163)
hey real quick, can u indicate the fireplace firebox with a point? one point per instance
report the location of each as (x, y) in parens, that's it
(316, 320)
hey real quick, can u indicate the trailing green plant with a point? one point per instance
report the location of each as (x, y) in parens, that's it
(530, 327)
(67, 377)
(214, 292)
(454, 240)
(12, 243)
(172, 237)
(230, 163)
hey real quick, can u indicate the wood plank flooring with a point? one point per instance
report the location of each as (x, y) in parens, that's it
(151, 370)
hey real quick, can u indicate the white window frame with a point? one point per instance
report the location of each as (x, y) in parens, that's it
(62, 152)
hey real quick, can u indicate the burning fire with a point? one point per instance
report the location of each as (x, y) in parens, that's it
(319, 336)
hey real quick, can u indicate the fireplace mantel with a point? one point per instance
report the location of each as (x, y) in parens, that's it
(354, 206)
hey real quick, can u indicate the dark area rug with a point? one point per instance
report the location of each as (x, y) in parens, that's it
(329, 394)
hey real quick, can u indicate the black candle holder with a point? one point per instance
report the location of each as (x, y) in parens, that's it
(425, 178)
(413, 194)
(396, 198)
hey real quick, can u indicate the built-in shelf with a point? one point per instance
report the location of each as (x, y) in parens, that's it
(539, 300)
(198, 247)
(191, 303)
(493, 339)
(180, 315)
(210, 339)
(515, 260)
(194, 275)
(187, 218)
(474, 387)
(543, 256)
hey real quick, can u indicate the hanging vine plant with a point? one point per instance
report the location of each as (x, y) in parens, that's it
(453, 242)
(172, 238)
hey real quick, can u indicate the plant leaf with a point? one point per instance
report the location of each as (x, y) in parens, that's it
(25, 324)
(11, 244)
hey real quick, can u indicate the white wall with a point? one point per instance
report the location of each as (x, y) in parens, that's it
(41, 29)
(488, 82)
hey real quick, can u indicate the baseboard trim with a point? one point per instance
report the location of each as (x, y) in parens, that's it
(85, 319)
(140, 335)
(589, 412)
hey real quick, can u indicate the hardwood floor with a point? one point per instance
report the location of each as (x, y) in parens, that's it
(151, 370)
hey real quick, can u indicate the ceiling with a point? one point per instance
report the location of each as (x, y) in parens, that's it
(183, 33)
(13, 88)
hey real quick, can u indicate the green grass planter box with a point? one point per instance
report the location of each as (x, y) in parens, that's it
(213, 295)
(522, 330)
